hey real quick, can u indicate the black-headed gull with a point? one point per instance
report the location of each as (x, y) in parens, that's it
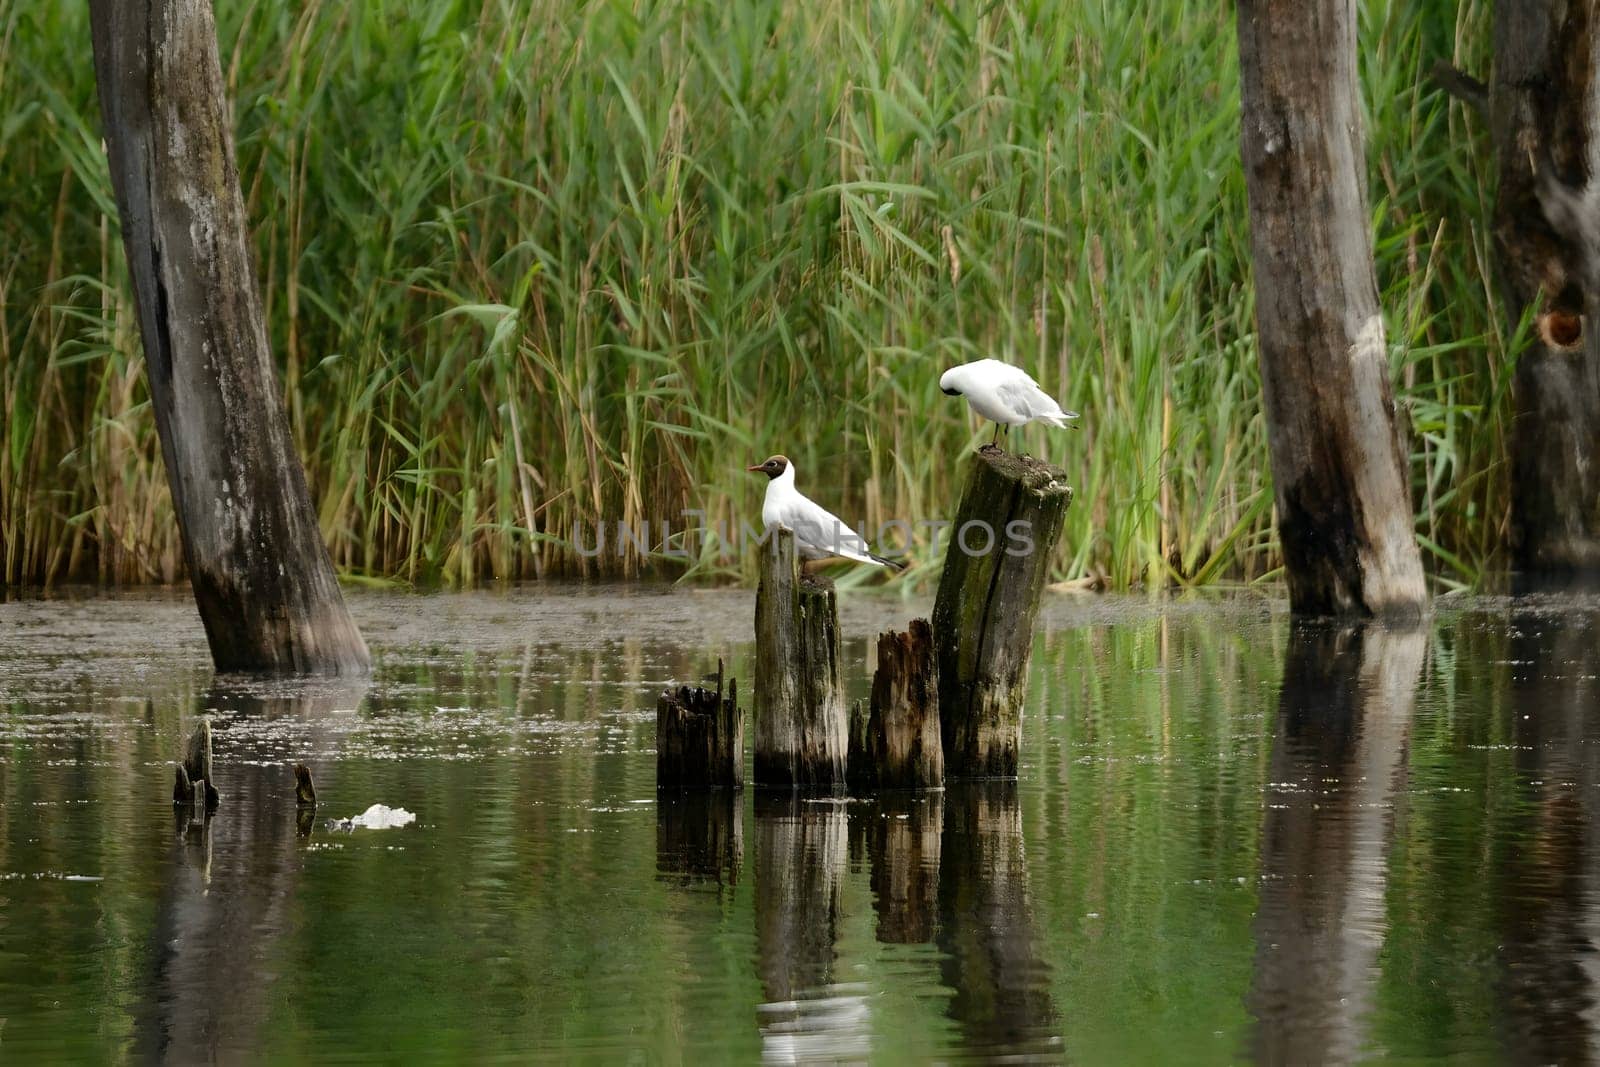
(818, 532)
(1003, 394)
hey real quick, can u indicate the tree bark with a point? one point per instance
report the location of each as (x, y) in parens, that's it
(1338, 462)
(1543, 115)
(987, 601)
(262, 579)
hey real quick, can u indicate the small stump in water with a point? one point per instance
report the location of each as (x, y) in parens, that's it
(700, 738)
(193, 784)
(801, 722)
(896, 743)
(305, 800)
(1006, 530)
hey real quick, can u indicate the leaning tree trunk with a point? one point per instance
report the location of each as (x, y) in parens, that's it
(1544, 106)
(262, 578)
(1344, 509)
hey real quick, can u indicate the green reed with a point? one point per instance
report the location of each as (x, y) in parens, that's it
(533, 264)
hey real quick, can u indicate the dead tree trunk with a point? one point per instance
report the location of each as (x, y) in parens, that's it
(995, 568)
(801, 723)
(700, 738)
(1545, 121)
(262, 579)
(1338, 461)
(895, 743)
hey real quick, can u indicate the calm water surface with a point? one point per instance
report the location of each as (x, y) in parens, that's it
(1232, 839)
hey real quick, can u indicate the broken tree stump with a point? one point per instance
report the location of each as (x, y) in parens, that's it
(193, 783)
(895, 742)
(1005, 532)
(801, 721)
(700, 737)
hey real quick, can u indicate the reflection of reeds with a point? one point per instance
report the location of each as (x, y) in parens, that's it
(530, 266)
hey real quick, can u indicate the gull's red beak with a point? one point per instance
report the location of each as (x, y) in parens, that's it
(757, 468)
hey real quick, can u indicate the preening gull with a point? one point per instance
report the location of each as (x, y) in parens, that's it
(1003, 394)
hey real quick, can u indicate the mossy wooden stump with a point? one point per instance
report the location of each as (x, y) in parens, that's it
(801, 721)
(700, 738)
(895, 741)
(193, 785)
(1004, 536)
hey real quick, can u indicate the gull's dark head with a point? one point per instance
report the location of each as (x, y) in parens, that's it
(947, 382)
(774, 466)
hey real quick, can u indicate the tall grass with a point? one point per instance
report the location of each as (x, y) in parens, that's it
(530, 264)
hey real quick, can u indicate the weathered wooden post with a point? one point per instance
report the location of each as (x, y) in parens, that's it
(700, 738)
(997, 564)
(1338, 465)
(894, 740)
(801, 721)
(193, 785)
(262, 579)
(1339, 771)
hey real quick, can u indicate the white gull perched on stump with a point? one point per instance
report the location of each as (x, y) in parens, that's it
(818, 532)
(1003, 394)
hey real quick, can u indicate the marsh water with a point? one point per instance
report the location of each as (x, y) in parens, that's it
(1233, 838)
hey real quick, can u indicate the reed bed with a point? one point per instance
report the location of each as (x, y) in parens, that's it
(535, 266)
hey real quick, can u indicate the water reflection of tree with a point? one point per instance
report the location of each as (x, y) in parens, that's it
(1549, 870)
(226, 902)
(1338, 764)
(987, 934)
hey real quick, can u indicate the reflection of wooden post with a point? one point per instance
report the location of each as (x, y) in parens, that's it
(903, 840)
(995, 568)
(264, 585)
(801, 729)
(700, 738)
(700, 837)
(987, 931)
(897, 744)
(1344, 714)
(802, 852)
